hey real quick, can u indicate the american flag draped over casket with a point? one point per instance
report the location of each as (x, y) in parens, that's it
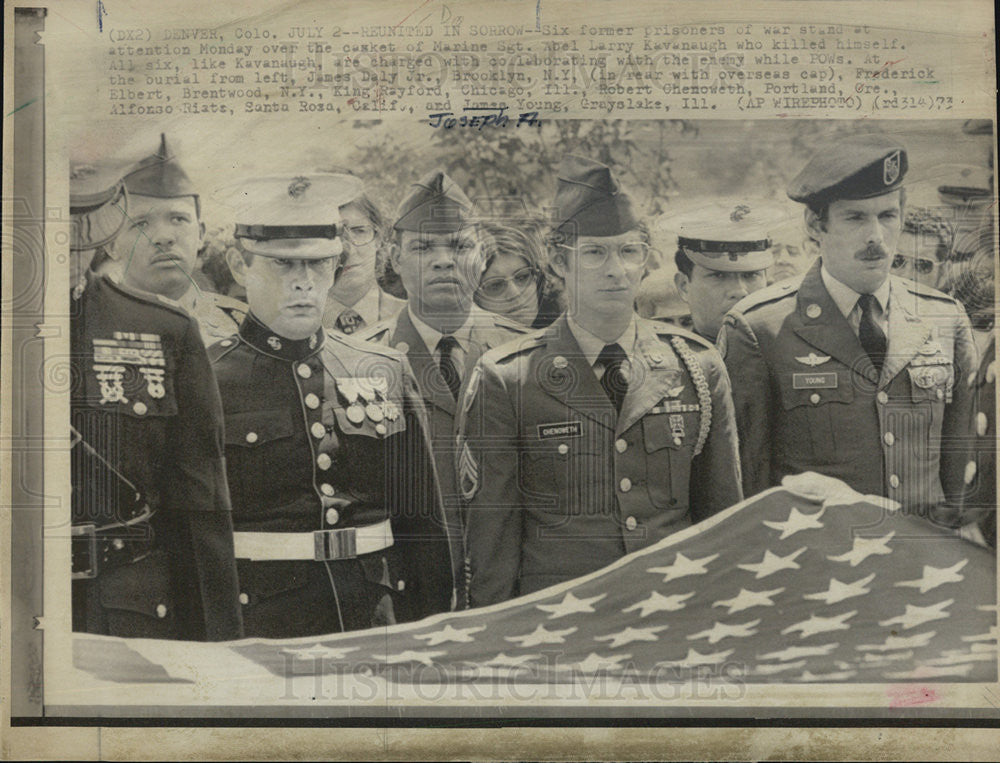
(780, 588)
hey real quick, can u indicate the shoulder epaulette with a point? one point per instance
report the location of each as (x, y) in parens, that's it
(148, 298)
(519, 346)
(924, 291)
(231, 305)
(361, 344)
(666, 330)
(769, 294)
(219, 348)
(374, 333)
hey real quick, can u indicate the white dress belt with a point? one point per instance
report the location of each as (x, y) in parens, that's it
(318, 546)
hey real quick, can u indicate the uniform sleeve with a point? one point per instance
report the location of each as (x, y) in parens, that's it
(197, 503)
(715, 472)
(417, 514)
(957, 430)
(487, 473)
(750, 382)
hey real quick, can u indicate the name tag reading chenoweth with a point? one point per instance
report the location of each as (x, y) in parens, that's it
(815, 381)
(560, 429)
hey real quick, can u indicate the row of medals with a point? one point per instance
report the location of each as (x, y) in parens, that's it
(367, 398)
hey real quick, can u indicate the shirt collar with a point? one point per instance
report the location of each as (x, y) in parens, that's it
(265, 341)
(592, 345)
(367, 307)
(431, 336)
(846, 298)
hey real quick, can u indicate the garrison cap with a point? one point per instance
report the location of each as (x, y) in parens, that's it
(435, 204)
(160, 175)
(858, 167)
(98, 203)
(293, 217)
(590, 200)
(730, 235)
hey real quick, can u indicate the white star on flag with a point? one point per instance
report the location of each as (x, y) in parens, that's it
(695, 658)
(838, 591)
(893, 643)
(541, 636)
(816, 624)
(504, 661)
(772, 563)
(658, 603)
(321, 652)
(683, 567)
(460, 635)
(628, 635)
(780, 667)
(914, 616)
(795, 652)
(863, 548)
(796, 522)
(932, 577)
(720, 631)
(746, 599)
(594, 663)
(427, 658)
(570, 605)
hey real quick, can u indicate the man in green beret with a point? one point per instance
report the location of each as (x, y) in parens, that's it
(851, 372)
(439, 257)
(158, 250)
(604, 432)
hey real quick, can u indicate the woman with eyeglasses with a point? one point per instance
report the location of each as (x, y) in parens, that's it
(517, 282)
(923, 245)
(355, 300)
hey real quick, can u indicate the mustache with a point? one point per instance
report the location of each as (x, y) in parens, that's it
(872, 250)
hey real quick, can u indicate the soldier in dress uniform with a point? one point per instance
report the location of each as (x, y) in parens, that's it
(158, 250)
(723, 253)
(848, 371)
(604, 432)
(152, 542)
(337, 514)
(439, 256)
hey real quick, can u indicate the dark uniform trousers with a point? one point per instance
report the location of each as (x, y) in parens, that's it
(147, 413)
(808, 398)
(558, 485)
(312, 447)
(488, 331)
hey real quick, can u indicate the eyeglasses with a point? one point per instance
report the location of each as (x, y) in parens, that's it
(359, 235)
(633, 254)
(497, 288)
(921, 265)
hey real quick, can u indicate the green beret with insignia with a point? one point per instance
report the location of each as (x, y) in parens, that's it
(590, 200)
(858, 167)
(434, 204)
(293, 217)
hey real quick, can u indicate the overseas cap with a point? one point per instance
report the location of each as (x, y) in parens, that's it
(160, 175)
(731, 235)
(859, 167)
(590, 201)
(293, 217)
(435, 204)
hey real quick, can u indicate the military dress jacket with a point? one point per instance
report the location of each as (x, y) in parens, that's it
(557, 484)
(218, 315)
(488, 331)
(323, 434)
(148, 433)
(809, 399)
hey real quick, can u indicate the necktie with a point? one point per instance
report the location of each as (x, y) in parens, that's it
(446, 346)
(613, 382)
(349, 321)
(872, 337)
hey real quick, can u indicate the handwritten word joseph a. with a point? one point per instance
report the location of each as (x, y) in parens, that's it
(489, 117)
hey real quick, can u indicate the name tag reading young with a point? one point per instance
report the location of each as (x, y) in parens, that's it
(560, 429)
(814, 381)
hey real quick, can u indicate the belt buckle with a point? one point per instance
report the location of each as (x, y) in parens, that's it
(88, 533)
(332, 545)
